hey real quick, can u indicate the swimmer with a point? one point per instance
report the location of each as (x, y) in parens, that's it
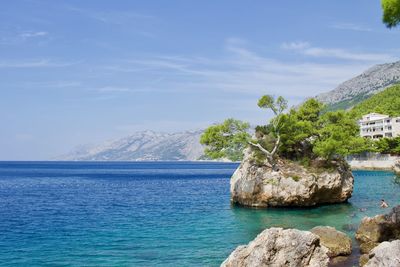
(384, 205)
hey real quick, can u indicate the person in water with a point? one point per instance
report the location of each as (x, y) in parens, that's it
(384, 205)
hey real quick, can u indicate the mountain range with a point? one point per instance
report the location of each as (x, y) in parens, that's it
(355, 90)
(143, 146)
(155, 146)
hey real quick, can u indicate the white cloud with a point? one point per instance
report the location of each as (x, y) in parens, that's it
(295, 45)
(305, 48)
(108, 89)
(351, 27)
(19, 38)
(39, 63)
(246, 71)
(26, 35)
(112, 17)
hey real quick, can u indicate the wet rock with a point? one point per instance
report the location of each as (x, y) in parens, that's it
(375, 230)
(278, 247)
(338, 243)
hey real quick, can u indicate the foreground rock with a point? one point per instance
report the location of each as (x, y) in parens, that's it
(278, 247)
(338, 243)
(292, 185)
(373, 231)
(387, 254)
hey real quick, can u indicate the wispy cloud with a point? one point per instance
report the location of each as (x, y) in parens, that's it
(39, 63)
(112, 17)
(111, 89)
(247, 71)
(351, 27)
(307, 49)
(130, 20)
(31, 34)
(15, 38)
(114, 91)
(45, 84)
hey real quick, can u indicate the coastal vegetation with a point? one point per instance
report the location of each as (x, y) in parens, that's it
(385, 102)
(303, 133)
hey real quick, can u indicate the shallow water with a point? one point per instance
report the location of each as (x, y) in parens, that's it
(148, 214)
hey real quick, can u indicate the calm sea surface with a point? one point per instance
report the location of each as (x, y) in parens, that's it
(148, 214)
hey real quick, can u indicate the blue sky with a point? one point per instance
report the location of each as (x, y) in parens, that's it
(77, 72)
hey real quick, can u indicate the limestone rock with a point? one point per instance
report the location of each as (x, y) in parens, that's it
(278, 247)
(387, 254)
(364, 258)
(375, 230)
(292, 185)
(338, 243)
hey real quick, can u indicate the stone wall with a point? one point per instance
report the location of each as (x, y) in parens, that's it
(372, 161)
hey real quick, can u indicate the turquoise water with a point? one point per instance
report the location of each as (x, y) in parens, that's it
(148, 214)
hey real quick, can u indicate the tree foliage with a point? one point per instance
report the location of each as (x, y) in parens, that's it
(385, 102)
(338, 135)
(299, 126)
(273, 131)
(387, 145)
(306, 132)
(226, 140)
(391, 12)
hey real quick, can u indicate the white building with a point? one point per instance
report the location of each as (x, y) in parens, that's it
(376, 125)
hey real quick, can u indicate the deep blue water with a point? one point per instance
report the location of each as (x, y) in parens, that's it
(148, 214)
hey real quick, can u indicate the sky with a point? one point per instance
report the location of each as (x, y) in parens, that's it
(81, 72)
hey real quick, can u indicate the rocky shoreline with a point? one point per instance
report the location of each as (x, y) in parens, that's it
(292, 184)
(378, 241)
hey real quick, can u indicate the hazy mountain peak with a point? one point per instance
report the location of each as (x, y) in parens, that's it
(373, 80)
(142, 146)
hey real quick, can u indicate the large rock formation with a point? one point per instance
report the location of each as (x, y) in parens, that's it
(278, 247)
(292, 185)
(384, 227)
(338, 243)
(387, 254)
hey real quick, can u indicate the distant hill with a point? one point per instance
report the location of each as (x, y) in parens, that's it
(361, 87)
(385, 102)
(143, 146)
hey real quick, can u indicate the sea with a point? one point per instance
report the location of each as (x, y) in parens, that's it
(149, 213)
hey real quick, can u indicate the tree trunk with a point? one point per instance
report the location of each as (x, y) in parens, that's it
(270, 155)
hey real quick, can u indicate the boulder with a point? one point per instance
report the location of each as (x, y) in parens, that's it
(384, 227)
(258, 185)
(278, 247)
(338, 243)
(386, 254)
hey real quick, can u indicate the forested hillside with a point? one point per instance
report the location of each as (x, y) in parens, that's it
(385, 102)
